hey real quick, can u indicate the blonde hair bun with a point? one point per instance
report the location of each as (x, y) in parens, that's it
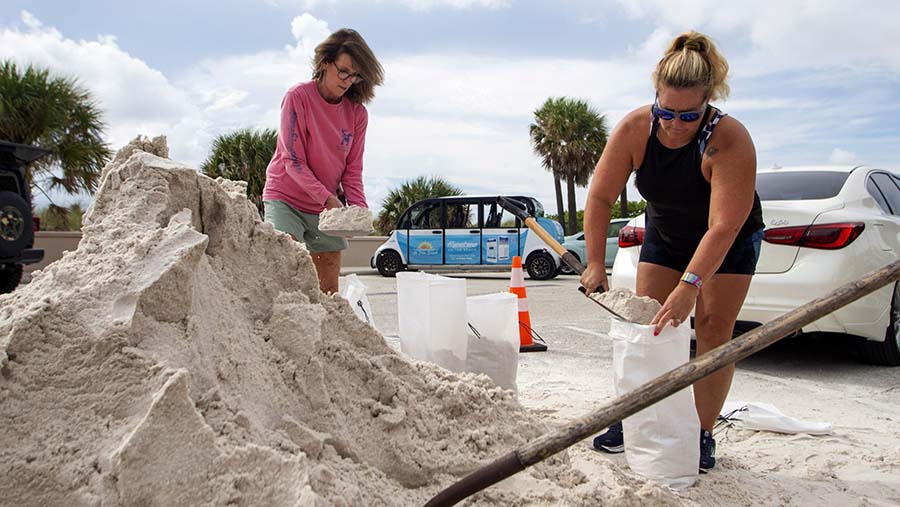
(693, 60)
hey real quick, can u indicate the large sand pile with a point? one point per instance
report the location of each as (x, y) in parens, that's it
(183, 355)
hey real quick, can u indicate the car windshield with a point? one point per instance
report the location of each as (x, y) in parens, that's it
(538, 208)
(799, 185)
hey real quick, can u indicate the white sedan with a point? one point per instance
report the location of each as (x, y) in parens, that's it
(825, 226)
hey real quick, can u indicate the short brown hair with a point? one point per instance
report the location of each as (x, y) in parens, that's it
(693, 60)
(351, 42)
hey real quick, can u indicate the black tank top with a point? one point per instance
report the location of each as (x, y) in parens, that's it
(677, 194)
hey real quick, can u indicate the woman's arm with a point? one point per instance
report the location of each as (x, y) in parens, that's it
(352, 180)
(290, 142)
(610, 176)
(732, 170)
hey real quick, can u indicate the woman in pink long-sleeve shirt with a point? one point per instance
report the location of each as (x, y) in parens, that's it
(320, 148)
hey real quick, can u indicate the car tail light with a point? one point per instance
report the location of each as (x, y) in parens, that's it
(822, 236)
(631, 236)
(35, 223)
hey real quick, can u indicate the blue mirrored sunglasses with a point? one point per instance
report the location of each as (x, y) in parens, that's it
(669, 115)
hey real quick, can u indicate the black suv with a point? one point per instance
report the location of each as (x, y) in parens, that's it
(16, 224)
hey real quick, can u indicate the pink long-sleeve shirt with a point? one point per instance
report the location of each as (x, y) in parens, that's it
(320, 145)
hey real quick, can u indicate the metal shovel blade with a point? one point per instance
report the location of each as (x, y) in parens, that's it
(608, 309)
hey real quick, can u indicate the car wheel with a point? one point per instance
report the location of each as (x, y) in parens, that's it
(389, 263)
(565, 269)
(540, 266)
(886, 353)
(10, 276)
(15, 224)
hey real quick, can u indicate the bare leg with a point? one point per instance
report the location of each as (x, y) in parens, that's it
(328, 268)
(656, 281)
(719, 302)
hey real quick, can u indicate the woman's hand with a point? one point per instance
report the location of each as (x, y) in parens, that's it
(677, 308)
(594, 278)
(333, 202)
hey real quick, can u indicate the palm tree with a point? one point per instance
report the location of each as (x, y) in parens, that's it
(61, 218)
(53, 113)
(399, 199)
(243, 155)
(545, 137)
(569, 136)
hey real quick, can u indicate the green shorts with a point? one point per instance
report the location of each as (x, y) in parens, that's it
(304, 227)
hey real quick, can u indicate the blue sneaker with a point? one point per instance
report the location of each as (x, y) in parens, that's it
(612, 441)
(707, 451)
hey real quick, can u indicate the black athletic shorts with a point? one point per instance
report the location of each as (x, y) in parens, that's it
(740, 260)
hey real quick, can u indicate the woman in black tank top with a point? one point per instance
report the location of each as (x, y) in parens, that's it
(696, 167)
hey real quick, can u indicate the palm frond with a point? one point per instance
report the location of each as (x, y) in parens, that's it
(409, 192)
(569, 136)
(243, 155)
(54, 113)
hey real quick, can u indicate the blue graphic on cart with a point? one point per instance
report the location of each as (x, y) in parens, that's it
(426, 249)
(500, 248)
(402, 238)
(462, 249)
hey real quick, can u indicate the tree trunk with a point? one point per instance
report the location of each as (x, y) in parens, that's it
(623, 202)
(573, 210)
(560, 211)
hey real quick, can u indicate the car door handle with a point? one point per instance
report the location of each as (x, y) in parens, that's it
(474, 232)
(512, 230)
(437, 232)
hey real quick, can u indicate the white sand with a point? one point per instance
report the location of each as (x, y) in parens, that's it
(347, 221)
(859, 465)
(622, 301)
(183, 355)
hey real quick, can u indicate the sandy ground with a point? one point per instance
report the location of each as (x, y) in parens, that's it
(810, 378)
(183, 355)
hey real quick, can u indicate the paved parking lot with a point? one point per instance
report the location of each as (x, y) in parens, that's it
(810, 378)
(580, 351)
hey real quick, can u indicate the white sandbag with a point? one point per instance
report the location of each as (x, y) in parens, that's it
(493, 344)
(754, 415)
(354, 291)
(431, 310)
(662, 442)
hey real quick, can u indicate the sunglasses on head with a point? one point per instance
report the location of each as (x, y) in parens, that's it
(669, 115)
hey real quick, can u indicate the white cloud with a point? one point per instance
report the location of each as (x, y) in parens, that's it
(842, 157)
(788, 34)
(455, 4)
(438, 114)
(136, 99)
(217, 96)
(462, 116)
(415, 5)
(309, 32)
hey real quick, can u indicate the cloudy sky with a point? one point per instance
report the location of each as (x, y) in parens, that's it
(815, 82)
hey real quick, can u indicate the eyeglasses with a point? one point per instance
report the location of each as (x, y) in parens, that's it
(669, 115)
(344, 75)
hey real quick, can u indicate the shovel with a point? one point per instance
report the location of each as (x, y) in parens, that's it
(663, 386)
(519, 210)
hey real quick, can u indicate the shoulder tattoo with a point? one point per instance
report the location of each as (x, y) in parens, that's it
(710, 151)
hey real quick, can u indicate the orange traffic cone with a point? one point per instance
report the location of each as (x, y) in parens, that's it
(517, 287)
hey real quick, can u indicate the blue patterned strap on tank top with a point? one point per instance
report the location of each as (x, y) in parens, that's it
(717, 115)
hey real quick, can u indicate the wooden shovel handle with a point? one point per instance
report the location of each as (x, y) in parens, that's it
(544, 235)
(664, 386)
